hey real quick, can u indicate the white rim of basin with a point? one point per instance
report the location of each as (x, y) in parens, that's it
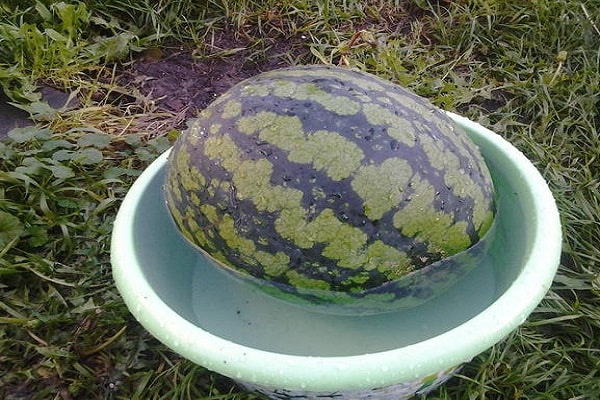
(366, 371)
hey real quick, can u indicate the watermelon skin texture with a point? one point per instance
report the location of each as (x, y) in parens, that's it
(323, 179)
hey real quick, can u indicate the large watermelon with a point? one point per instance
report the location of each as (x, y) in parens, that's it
(320, 178)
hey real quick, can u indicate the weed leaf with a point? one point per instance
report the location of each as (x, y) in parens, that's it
(97, 140)
(61, 171)
(38, 236)
(28, 134)
(89, 156)
(10, 228)
(63, 155)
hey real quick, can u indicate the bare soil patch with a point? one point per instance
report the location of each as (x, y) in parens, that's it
(179, 80)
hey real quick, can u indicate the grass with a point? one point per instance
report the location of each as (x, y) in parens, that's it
(527, 70)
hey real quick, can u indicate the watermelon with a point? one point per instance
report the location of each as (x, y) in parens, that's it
(318, 179)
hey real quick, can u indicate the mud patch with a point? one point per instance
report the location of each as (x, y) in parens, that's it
(180, 80)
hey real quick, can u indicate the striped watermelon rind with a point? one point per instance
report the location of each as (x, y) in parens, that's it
(325, 179)
(412, 290)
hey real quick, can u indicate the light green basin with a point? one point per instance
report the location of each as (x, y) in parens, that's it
(235, 330)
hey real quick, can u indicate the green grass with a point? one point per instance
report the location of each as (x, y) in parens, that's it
(527, 70)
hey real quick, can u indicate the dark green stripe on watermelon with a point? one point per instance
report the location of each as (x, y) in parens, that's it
(327, 178)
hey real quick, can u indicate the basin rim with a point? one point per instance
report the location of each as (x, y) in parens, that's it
(355, 372)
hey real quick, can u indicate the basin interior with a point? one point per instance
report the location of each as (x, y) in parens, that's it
(225, 307)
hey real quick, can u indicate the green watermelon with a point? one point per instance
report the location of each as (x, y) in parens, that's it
(324, 179)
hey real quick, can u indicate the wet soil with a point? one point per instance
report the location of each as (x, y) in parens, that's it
(11, 116)
(181, 81)
(14, 117)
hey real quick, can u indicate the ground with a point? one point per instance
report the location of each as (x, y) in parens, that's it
(12, 117)
(174, 81)
(181, 80)
(178, 82)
